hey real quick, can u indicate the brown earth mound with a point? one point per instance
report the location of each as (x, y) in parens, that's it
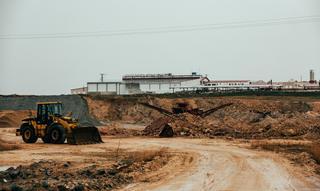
(116, 129)
(160, 127)
(246, 118)
(9, 118)
(126, 168)
(244, 125)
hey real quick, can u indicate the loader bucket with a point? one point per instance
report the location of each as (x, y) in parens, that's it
(84, 136)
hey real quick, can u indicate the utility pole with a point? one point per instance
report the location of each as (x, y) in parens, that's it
(101, 76)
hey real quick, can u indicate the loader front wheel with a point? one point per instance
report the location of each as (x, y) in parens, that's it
(28, 134)
(57, 134)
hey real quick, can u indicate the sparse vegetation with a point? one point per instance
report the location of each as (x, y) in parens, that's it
(281, 145)
(304, 153)
(115, 130)
(148, 155)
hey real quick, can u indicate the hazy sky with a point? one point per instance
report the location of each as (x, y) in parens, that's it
(54, 65)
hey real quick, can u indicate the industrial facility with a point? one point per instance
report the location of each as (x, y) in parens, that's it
(173, 83)
(144, 83)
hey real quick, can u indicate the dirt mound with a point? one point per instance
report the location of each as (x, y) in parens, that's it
(246, 125)
(160, 127)
(116, 129)
(58, 175)
(10, 118)
(247, 118)
(106, 110)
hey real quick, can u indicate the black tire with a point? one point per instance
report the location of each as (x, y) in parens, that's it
(57, 134)
(28, 133)
(46, 139)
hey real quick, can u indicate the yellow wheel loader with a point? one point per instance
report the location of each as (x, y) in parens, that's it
(52, 127)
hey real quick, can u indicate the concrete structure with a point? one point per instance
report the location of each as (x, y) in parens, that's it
(295, 85)
(312, 77)
(113, 88)
(104, 87)
(229, 85)
(162, 83)
(218, 83)
(82, 90)
(170, 83)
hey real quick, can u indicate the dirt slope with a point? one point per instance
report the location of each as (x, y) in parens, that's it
(71, 103)
(10, 118)
(248, 117)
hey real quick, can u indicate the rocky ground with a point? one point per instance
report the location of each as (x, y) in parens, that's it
(58, 175)
(40, 167)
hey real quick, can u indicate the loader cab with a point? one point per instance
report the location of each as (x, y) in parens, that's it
(45, 111)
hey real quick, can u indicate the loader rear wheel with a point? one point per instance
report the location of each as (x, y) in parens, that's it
(57, 134)
(46, 139)
(28, 134)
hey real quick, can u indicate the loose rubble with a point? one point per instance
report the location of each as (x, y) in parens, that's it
(245, 120)
(59, 175)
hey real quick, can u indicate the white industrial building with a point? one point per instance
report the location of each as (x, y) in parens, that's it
(144, 83)
(113, 88)
(170, 83)
(228, 83)
(82, 90)
(162, 83)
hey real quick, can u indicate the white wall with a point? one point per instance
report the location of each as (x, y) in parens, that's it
(191, 83)
(102, 87)
(112, 88)
(158, 88)
(92, 87)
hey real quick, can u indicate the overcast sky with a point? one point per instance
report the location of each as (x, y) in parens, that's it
(54, 65)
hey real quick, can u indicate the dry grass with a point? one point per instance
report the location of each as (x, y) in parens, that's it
(118, 131)
(119, 154)
(290, 146)
(281, 145)
(148, 155)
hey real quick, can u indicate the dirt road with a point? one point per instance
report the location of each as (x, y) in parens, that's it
(210, 165)
(224, 166)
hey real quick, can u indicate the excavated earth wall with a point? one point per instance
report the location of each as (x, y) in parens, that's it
(71, 103)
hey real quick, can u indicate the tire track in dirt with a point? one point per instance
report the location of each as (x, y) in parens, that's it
(224, 167)
(200, 164)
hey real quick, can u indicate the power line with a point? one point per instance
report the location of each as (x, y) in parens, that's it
(170, 29)
(178, 26)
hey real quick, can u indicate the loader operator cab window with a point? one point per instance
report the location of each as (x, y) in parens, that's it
(41, 117)
(54, 109)
(47, 110)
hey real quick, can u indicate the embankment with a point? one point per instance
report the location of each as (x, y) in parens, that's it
(71, 103)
